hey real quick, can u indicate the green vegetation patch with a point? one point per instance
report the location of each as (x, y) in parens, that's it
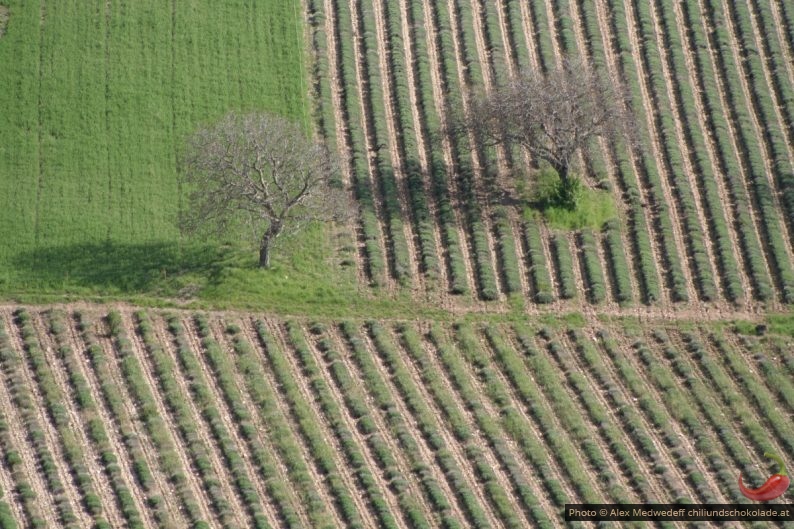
(97, 99)
(594, 207)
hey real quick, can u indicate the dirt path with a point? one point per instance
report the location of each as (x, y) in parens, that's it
(220, 471)
(786, 45)
(130, 422)
(427, 453)
(92, 461)
(52, 439)
(613, 66)
(220, 404)
(382, 432)
(344, 473)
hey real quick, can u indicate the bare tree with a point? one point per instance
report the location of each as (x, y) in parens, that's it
(261, 174)
(553, 115)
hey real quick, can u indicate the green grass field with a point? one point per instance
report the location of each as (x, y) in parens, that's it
(96, 99)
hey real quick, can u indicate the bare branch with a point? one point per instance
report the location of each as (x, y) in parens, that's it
(259, 174)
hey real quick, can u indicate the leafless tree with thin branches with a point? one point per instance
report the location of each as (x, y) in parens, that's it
(261, 175)
(554, 115)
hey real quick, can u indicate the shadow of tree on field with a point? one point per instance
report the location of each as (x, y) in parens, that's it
(120, 267)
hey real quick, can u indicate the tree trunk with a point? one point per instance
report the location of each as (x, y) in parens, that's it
(270, 235)
(264, 255)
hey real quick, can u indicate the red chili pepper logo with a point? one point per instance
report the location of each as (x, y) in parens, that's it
(775, 486)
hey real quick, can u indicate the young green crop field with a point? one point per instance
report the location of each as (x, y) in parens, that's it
(454, 357)
(97, 98)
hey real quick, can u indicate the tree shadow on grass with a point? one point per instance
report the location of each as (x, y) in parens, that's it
(114, 267)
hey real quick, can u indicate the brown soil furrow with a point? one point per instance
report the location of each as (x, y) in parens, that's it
(667, 454)
(363, 88)
(439, 95)
(510, 53)
(477, 438)
(559, 53)
(677, 480)
(758, 129)
(11, 497)
(711, 151)
(735, 386)
(427, 454)
(106, 342)
(423, 143)
(395, 146)
(766, 66)
(578, 269)
(261, 438)
(484, 192)
(528, 29)
(613, 65)
(657, 153)
(249, 332)
(345, 473)
(51, 437)
(686, 148)
(44, 497)
(743, 177)
(658, 495)
(682, 435)
(222, 406)
(363, 446)
(342, 136)
(115, 437)
(92, 460)
(786, 46)
(520, 405)
(214, 455)
(526, 466)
